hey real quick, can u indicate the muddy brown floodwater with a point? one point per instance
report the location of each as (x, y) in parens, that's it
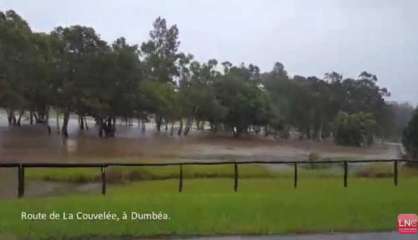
(33, 144)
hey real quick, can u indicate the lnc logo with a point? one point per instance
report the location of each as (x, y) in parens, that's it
(407, 223)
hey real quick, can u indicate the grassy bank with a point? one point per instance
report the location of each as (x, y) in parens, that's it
(209, 207)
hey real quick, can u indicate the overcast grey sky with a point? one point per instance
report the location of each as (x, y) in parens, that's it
(308, 37)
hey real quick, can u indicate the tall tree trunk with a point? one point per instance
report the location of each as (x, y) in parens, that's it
(320, 131)
(180, 130)
(57, 115)
(31, 117)
(172, 129)
(35, 116)
(10, 115)
(143, 127)
(100, 124)
(47, 121)
(81, 122)
(158, 121)
(109, 127)
(64, 129)
(189, 123)
(86, 126)
(114, 127)
(20, 118)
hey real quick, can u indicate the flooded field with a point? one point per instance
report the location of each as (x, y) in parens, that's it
(32, 143)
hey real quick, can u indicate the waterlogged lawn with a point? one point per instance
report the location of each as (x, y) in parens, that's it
(210, 207)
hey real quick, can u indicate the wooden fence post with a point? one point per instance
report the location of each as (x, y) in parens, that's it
(236, 177)
(20, 181)
(395, 172)
(345, 173)
(103, 171)
(295, 180)
(181, 178)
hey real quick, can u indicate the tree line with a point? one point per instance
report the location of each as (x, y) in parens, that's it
(71, 70)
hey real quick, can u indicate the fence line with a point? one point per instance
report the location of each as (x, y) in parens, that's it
(103, 166)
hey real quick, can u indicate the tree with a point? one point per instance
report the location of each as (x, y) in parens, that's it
(410, 137)
(15, 56)
(160, 57)
(240, 92)
(160, 99)
(198, 96)
(363, 95)
(39, 90)
(355, 129)
(280, 89)
(77, 45)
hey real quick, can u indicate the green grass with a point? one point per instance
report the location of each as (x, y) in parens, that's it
(126, 174)
(384, 170)
(210, 207)
(123, 174)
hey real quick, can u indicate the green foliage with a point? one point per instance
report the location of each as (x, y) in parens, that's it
(75, 72)
(355, 129)
(159, 98)
(239, 91)
(161, 52)
(311, 104)
(410, 137)
(15, 60)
